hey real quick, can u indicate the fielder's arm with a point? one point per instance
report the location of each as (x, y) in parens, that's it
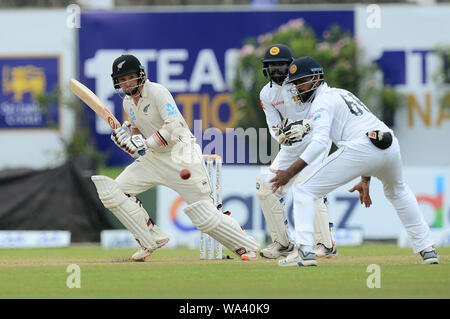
(282, 177)
(317, 146)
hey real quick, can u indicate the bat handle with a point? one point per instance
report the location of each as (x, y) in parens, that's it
(141, 152)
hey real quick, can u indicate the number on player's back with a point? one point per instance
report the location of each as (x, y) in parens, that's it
(355, 106)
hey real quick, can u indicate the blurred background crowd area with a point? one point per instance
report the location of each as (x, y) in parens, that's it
(109, 4)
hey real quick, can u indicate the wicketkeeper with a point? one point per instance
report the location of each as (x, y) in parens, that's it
(158, 137)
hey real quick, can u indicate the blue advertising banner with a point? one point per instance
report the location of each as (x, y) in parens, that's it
(191, 53)
(22, 79)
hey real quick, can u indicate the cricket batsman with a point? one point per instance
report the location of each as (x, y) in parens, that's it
(286, 118)
(160, 140)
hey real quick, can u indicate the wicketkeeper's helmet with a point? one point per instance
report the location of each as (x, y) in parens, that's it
(277, 53)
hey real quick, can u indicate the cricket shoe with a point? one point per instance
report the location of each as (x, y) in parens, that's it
(429, 256)
(249, 256)
(143, 252)
(275, 250)
(159, 237)
(323, 252)
(298, 258)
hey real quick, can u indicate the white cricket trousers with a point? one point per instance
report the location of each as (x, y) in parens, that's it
(361, 158)
(156, 168)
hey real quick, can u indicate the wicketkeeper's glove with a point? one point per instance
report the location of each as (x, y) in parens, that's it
(297, 130)
(289, 132)
(278, 131)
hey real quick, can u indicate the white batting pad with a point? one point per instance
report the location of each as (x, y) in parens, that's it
(221, 227)
(204, 215)
(273, 212)
(130, 214)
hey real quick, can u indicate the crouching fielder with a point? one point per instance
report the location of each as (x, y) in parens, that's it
(158, 137)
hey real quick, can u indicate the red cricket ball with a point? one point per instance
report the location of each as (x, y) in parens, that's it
(185, 173)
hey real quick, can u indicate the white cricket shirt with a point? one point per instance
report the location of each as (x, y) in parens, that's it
(341, 116)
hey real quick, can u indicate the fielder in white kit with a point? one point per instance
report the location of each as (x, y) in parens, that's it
(285, 118)
(367, 147)
(159, 138)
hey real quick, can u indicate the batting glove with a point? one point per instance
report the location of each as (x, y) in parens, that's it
(121, 135)
(138, 144)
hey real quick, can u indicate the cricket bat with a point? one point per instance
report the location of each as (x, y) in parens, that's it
(92, 100)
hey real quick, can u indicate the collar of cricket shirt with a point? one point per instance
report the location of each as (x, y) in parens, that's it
(144, 92)
(145, 88)
(321, 87)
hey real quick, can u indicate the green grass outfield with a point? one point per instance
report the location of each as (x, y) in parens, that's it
(179, 274)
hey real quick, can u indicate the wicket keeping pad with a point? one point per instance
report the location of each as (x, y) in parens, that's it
(132, 215)
(223, 228)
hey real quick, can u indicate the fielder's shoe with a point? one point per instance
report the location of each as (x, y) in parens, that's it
(249, 256)
(298, 258)
(323, 252)
(275, 250)
(429, 256)
(143, 252)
